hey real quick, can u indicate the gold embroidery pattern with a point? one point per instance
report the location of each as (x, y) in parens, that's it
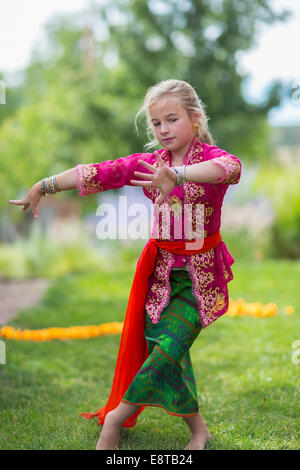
(151, 193)
(232, 168)
(198, 229)
(214, 301)
(204, 278)
(166, 223)
(199, 219)
(204, 259)
(226, 275)
(161, 267)
(163, 222)
(159, 291)
(159, 294)
(193, 191)
(176, 206)
(152, 309)
(211, 300)
(195, 155)
(86, 174)
(208, 210)
(193, 221)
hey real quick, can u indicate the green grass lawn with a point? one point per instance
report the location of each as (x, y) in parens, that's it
(248, 386)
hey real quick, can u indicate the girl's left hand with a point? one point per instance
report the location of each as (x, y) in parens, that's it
(162, 178)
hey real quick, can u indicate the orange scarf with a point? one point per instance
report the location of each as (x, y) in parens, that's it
(133, 350)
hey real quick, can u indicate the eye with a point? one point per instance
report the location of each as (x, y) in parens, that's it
(173, 120)
(156, 124)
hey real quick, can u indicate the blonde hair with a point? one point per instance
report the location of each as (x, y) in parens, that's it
(189, 100)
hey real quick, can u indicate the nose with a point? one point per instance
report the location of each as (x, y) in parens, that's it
(164, 128)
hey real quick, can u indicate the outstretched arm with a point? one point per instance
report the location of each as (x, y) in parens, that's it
(65, 182)
(222, 168)
(164, 177)
(204, 172)
(110, 174)
(87, 179)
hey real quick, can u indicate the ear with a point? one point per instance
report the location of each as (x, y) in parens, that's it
(196, 116)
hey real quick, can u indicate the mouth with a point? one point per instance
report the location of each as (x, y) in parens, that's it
(168, 140)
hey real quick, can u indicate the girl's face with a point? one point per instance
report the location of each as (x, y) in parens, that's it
(172, 125)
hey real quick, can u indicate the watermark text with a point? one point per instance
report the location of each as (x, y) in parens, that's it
(296, 353)
(2, 352)
(2, 92)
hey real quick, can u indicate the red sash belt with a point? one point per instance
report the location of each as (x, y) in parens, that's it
(133, 350)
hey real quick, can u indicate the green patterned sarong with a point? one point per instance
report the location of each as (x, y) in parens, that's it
(166, 378)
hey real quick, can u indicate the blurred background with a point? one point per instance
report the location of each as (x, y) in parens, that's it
(74, 74)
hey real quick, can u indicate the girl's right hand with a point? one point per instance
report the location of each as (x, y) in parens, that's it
(162, 178)
(32, 199)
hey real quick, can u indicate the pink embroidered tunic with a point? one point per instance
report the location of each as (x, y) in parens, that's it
(198, 203)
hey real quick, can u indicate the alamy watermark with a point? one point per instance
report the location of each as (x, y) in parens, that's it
(296, 353)
(296, 91)
(169, 221)
(2, 352)
(2, 92)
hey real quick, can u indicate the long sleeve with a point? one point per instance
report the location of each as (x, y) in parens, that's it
(231, 165)
(111, 174)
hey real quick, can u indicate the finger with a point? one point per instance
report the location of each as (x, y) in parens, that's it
(35, 212)
(147, 165)
(146, 176)
(160, 199)
(159, 159)
(17, 202)
(141, 183)
(26, 206)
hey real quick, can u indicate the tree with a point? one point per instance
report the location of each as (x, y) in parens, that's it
(197, 41)
(67, 114)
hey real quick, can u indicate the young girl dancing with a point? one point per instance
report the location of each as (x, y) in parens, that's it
(180, 284)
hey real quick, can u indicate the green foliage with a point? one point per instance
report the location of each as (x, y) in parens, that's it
(243, 245)
(13, 100)
(69, 115)
(200, 42)
(41, 256)
(281, 185)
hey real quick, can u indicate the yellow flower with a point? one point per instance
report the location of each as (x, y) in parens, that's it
(269, 310)
(240, 307)
(289, 309)
(18, 334)
(255, 309)
(27, 335)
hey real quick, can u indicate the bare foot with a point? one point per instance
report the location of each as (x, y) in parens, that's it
(199, 441)
(109, 436)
